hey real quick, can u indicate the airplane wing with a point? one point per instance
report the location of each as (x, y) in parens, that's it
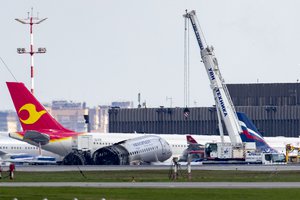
(29, 159)
(2, 153)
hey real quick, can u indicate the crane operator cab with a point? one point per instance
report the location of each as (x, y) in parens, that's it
(211, 150)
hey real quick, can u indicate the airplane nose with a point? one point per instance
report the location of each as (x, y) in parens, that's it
(168, 150)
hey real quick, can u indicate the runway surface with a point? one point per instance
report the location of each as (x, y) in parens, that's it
(158, 184)
(48, 168)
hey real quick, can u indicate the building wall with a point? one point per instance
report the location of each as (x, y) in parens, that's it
(9, 121)
(271, 121)
(99, 119)
(70, 115)
(273, 107)
(264, 94)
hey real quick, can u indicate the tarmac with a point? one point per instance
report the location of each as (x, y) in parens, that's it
(57, 168)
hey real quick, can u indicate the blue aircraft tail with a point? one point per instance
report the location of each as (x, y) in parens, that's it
(251, 134)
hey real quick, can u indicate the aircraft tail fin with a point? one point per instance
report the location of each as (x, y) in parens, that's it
(251, 133)
(190, 140)
(31, 113)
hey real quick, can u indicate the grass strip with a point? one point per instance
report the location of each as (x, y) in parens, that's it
(155, 176)
(67, 193)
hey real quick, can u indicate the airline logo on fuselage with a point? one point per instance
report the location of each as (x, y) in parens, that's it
(211, 74)
(219, 96)
(144, 142)
(34, 115)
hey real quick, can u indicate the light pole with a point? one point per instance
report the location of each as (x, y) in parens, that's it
(31, 21)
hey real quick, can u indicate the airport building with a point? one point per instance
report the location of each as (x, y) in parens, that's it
(98, 119)
(273, 107)
(69, 114)
(9, 121)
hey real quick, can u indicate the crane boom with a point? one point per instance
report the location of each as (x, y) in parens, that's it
(222, 98)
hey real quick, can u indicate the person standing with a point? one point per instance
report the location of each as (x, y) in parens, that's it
(11, 170)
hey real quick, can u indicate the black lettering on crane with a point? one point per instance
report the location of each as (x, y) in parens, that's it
(223, 108)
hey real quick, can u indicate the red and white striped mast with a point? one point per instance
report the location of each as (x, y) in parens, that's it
(31, 21)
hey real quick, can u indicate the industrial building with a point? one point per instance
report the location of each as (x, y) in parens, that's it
(9, 121)
(273, 107)
(69, 114)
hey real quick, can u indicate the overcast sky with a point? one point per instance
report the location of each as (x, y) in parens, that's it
(103, 51)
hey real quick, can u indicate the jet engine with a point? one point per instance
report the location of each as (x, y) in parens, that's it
(111, 155)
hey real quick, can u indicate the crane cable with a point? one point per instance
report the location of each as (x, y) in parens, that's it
(8, 69)
(201, 32)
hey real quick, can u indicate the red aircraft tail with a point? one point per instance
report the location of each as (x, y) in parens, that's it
(32, 114)
(191, 140)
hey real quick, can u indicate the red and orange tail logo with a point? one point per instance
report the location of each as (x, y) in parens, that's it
(191, 140)
(32, 114)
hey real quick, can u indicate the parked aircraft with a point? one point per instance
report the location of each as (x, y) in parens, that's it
(41, 129)
(12, 150)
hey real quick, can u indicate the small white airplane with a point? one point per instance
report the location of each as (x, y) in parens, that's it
(15, 151)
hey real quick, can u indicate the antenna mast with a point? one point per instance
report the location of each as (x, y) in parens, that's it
(31, 21)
